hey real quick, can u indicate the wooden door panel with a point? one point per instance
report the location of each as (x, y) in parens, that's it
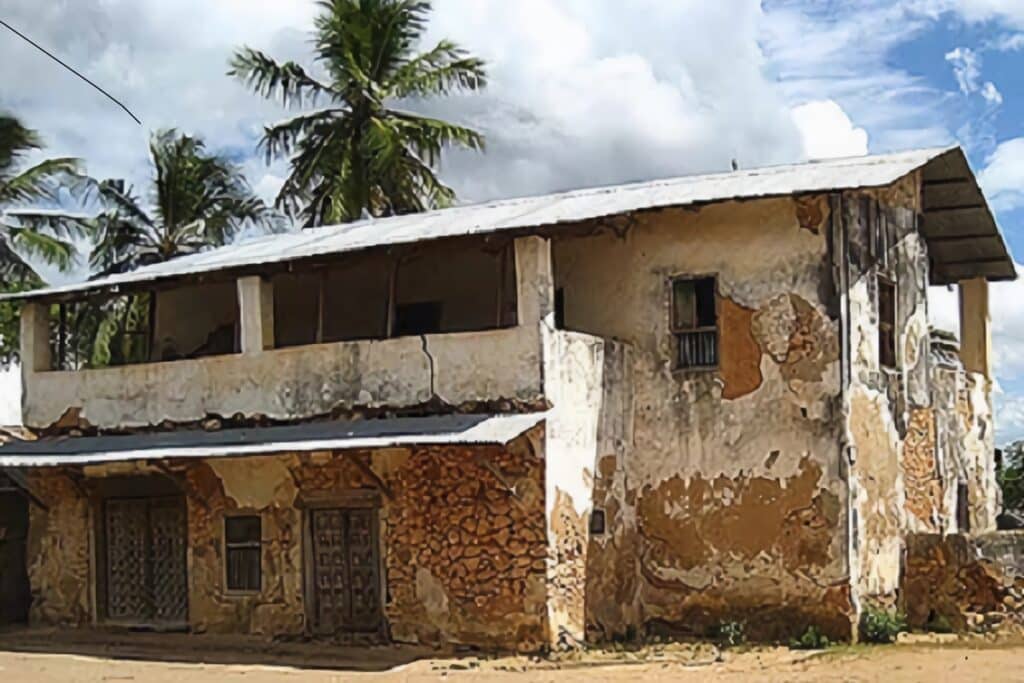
(345, 570)
(146, 573)
(127, 593)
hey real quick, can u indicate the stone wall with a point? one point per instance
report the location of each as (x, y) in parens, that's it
(962, 582)
(463, 535)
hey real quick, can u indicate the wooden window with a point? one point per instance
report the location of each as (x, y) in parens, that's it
(886, 323)
(963, 508)
(597, 522)
(242, 536)
(695, 322)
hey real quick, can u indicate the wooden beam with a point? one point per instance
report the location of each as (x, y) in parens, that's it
(946, 181)
(961, 238)
(950, 209)
(972, 262)
(389, 322)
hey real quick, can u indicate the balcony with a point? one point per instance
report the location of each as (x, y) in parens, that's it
(283, 370)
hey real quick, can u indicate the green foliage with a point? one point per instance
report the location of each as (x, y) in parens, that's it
(359, 155)
(881, 625)
(812, 639)
(1011, 477)
(731, 633)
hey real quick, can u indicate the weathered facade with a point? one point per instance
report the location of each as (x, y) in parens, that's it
(736, 411)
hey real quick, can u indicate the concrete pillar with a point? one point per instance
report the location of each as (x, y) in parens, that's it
(975, 327)
(35, 338)
(256, 312)
(535, 281)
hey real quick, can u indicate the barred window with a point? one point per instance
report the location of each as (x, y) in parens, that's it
(886, 323)
(242, 537)
(695, 322)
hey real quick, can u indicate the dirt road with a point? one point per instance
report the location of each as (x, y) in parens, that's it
(164, 659)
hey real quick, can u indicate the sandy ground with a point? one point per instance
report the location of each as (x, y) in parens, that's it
(52, 657)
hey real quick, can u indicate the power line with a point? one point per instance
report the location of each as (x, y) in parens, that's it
(69, 68)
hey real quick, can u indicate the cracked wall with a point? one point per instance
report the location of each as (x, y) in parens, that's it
(293, 383)
(463, 538)
(737, 505)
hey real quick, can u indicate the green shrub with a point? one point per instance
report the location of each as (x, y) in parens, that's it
(881, 625)
(731, 633)
(812, 639)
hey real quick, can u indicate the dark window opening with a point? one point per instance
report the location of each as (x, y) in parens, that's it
(418, 318)
(560, 309)
(242, 536)
(597, 522)
(695, 322)
(963, 508)
(886, 323)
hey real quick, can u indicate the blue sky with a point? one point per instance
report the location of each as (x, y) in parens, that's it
(582, 92)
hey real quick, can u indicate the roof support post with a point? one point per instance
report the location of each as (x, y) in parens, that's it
(35, 338)
(535, 281)
(256, 313)
(975, 327)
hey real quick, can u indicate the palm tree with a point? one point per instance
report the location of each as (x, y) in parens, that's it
(30, 235)
(360, 155)
(198, 201)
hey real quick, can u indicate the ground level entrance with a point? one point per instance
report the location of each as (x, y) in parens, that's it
(15, 596)
(146, 576)
(345, 570)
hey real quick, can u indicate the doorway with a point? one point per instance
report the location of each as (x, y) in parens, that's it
(15, 594)
(146, 579)
(345, 570)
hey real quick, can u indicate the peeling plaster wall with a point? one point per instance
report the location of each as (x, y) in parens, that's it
(735, 478)
(297, 382)
(891, 424)
(463, 540)
(58, 553)
(592, 578)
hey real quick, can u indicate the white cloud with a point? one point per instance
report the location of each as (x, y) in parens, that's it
(966, 67)
(1003, 176)
(827, 131)
(991, 94)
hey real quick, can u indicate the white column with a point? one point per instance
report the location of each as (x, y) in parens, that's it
(256, 312)
(35, 338)
(975, 327)
(535, 281)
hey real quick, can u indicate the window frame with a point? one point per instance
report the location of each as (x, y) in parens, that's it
(678, 331)
(230, 546)
(885, 360)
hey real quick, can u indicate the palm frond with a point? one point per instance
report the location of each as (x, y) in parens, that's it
(40, 181)
(41, 246)
(444, 69)
(288, 83)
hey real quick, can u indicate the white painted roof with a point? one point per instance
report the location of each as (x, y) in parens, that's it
(528, 212)
(305, 438)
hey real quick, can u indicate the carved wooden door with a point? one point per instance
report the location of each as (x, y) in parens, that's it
(345, 577)
(146, 576)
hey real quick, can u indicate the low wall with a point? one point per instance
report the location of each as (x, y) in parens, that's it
(963, 582)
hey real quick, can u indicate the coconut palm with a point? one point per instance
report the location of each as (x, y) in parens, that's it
(361, 155)
(199, 200)
(32, 235)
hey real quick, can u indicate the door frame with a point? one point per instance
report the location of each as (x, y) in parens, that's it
(131, 487)
(351, 499)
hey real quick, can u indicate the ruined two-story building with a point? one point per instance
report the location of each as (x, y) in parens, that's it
(527, 423)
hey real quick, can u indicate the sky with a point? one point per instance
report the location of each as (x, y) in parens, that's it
(581, 93)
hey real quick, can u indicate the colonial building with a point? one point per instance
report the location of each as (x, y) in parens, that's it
(522, 424)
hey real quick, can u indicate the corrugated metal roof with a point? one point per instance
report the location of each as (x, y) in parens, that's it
(529, 212)
(318, 436)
